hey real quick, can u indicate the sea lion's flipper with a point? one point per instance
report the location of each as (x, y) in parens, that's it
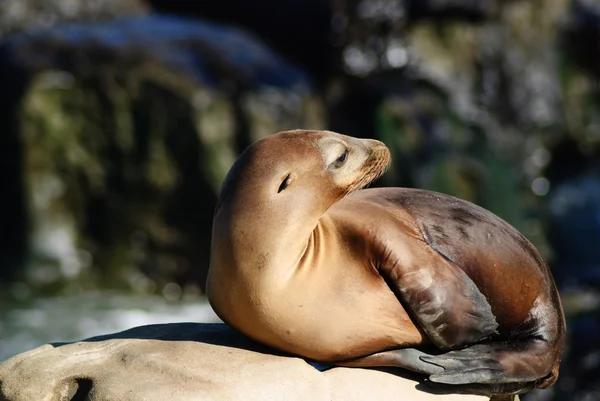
(470, 370)
(454, 314)
(460, 271)
(407, 358)
(476, 364)
(491, 363)
(444, 301)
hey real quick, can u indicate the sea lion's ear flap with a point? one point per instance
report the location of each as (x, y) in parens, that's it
(286, 182)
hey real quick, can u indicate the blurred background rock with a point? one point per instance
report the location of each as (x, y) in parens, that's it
(119, 120)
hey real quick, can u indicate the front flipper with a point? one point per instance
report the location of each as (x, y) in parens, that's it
(439, 296)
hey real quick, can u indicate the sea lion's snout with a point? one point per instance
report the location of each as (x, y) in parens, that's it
(374, 166)
(374, 144)
(380, 154)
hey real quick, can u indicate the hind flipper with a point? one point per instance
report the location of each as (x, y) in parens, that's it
(407, 358)
(491, 364)
(468, 371)
(475, 364)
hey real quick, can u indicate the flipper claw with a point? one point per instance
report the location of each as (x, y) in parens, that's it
(475, 364)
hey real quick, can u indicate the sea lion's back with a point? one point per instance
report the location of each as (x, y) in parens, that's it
(504, 265)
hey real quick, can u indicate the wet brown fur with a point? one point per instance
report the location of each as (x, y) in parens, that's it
(332, 277)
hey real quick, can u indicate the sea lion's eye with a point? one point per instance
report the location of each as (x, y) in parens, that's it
(340, 161)
(286, 181)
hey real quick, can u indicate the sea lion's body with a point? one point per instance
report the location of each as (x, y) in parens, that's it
(340, 279)
(351, 310)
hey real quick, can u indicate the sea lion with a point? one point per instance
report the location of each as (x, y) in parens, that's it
(305, 260)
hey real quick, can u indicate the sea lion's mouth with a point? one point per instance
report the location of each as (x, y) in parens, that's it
(375, 166)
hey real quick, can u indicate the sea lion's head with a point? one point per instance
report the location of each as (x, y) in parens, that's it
(269, 205)
(302, 172)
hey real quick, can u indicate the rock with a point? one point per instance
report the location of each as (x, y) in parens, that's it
(467, 10)
(188, 361)
(581, 35)
(574, 234)
(16, 15)
(299, 30)
(468, 109)
(117, 135)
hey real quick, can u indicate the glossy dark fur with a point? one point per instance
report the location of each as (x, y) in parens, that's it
(500, 316)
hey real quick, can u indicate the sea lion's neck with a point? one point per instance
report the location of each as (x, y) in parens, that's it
(261, 248)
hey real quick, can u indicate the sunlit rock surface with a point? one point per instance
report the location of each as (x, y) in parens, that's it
(181, 362)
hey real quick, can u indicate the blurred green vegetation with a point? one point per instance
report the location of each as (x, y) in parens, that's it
(122, 169)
